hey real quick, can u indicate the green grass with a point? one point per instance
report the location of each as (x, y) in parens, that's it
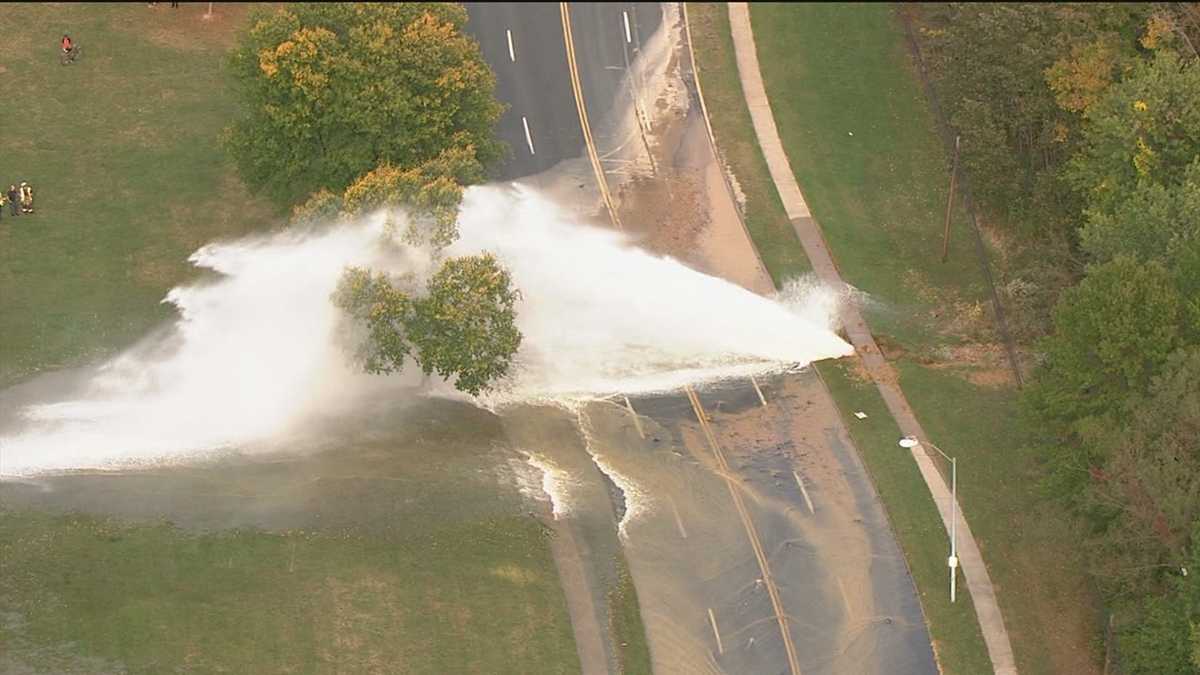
(395, 548)
(769, 226)
(879, 196)
(83, 594)
(914, 518)
(122, 151)
(833, 70)
(627, 628)
(1051, 610)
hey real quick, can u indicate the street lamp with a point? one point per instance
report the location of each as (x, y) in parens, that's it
(909, 442)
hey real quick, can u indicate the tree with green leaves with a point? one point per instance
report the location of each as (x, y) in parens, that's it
(1144, 131)
(329, 91)
(1162, 637)
(1014, 79)
(1151, 220)
(1112, 333)
(1144, 492)
(463, 327)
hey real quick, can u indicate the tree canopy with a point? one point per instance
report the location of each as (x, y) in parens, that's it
(1112, 333)
(331, 90)
(462, 327)
(1144, 130)
(362, 107)
(1084, 121)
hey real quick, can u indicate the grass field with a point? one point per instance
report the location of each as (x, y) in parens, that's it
(122, 149)
(879, 194)
(153, 599)
(861, 141)
(129, 177)
(627, 628)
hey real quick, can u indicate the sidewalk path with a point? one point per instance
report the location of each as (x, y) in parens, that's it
(978, 582)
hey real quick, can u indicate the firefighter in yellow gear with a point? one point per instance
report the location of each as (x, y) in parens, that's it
(26, 197)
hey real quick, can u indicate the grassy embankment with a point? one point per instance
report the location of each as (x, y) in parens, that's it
(122, 148)
(837, 70)
(85, 594)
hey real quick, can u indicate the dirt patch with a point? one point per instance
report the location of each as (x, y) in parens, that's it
(664, 213)
(890, 348)
(983, 364)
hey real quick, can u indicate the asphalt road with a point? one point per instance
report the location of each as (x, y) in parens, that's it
(791, 586)
(533, 79)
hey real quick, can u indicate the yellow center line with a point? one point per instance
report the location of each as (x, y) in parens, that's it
(748, 524)
(577, 89)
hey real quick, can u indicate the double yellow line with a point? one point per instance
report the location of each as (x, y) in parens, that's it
(755, 543)
(577, 88)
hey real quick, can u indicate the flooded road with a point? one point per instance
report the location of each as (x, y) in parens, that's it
(826, 591)
(652, 490)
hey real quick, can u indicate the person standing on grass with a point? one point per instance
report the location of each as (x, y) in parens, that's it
(26, 198)
(13, 199)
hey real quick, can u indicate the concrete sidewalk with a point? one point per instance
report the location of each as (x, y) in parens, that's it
(978, 582)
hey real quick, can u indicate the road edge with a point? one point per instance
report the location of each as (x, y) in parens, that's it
(987, 609)
(716, 151)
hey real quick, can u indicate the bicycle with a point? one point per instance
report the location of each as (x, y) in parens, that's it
(69, 56)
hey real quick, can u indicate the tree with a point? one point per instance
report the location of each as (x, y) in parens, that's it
(322, 206)
(430, 194)
(1013, 78)
(329, 91)
(1160, 642)
(1146, 489)
(463, 327)
(1078, 80)
(373, 301)
(1112, 334)
(1163, 635)
(1152, 221)
(1144, 131)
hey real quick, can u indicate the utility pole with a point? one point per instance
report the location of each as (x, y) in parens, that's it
(950, 203)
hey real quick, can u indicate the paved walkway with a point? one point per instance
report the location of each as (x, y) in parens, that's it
(978, 582)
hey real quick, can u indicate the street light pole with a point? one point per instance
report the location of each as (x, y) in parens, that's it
(952, 562)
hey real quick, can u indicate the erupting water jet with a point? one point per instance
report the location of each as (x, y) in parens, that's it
(254, 352)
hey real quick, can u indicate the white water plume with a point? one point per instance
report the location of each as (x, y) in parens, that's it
(253, 352)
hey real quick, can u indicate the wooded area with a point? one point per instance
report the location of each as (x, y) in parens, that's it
(1080, 129)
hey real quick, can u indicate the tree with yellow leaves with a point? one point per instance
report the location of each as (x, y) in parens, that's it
(330, 91)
